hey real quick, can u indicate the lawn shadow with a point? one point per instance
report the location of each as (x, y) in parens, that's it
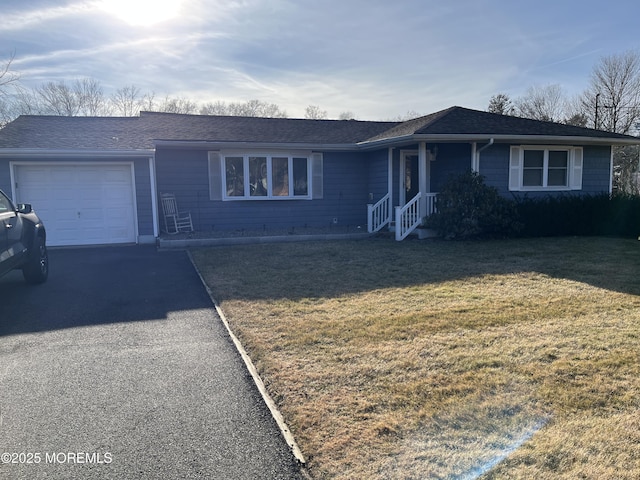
(335, 268)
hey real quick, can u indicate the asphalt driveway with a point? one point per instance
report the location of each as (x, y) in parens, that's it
(118, 367)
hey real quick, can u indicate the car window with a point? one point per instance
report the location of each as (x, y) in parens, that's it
(5, 203)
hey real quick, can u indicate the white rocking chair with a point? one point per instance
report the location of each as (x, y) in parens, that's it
(174, 220)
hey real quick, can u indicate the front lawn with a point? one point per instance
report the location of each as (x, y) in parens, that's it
(508, 359)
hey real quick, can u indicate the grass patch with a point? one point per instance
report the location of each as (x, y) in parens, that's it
(500, 359)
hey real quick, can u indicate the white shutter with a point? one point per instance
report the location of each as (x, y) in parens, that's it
(215, 176)
(576, 169)
(515, 169)
(316, 175)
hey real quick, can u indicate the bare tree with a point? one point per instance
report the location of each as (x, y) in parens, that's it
(501, 103)
(7, 77)
(250, 108)
(547, 103)
(409, 115)
(256, 108)
(612, 100)
(127, 101)
(346, 116)
(214, 108)
(313, 112)
(178, 105)
(57, 98)
(91, 99)
(612, 103)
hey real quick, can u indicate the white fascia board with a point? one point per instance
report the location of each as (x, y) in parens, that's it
(528, 139)
(15, 153)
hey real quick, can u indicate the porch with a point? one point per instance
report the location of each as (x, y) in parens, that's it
(403, 210)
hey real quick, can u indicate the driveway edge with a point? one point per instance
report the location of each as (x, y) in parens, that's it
(275, 413)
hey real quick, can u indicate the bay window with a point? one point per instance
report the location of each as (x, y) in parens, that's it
(278, 176)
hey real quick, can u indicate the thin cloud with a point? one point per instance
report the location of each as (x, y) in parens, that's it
(36, 17)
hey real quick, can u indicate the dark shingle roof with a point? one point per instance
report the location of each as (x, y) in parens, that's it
(140, 133)
(261, 130)
(464, 121)
(70, 133)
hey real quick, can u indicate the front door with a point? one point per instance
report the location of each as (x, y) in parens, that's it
(409, 177)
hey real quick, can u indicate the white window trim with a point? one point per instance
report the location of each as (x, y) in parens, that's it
(574, 169)
(269, 155)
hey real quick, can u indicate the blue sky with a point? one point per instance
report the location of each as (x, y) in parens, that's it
(375, 58)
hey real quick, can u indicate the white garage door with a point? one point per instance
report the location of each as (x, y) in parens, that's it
(80, 204)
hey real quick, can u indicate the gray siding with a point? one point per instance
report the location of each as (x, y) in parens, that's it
(143, 196)
(596, 169)
(346, 180)
(5, 177)
(494, 166)
(378, 170)
(452, 159)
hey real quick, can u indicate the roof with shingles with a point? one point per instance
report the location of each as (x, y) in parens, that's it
(464, 121)
(141, 133)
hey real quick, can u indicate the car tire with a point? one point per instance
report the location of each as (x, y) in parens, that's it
(36, 270)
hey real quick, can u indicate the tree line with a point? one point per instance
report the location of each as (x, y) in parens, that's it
(610, 102)
(86, 97)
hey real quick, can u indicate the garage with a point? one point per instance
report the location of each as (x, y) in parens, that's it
(80, 203)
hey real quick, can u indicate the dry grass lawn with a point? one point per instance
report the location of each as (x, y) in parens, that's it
(497, 359)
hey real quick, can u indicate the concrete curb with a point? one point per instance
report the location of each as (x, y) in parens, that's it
(165, 243)
(277, 416)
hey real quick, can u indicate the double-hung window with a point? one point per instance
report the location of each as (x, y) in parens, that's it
(277, 176)
(538, 168)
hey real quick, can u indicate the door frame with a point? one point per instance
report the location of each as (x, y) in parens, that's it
(402, 183)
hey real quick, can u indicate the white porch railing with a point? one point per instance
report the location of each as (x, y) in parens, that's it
(408, 217)
(431, 203)
(379, 214)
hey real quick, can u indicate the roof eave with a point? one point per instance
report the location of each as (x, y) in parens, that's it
(18, 153)
(529, 139)
(213, 145)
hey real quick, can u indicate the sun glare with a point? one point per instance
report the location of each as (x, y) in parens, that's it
(142, 12)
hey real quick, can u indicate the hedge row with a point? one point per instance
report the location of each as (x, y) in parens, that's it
(467, 207)
(615, 215)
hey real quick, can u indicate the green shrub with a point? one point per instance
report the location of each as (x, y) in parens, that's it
(467, 207)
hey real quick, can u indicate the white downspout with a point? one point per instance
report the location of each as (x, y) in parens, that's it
(474, 166)
(390, 173)
(422, 177)
(477, 157)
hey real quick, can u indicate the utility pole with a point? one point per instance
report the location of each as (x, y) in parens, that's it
(596, 117)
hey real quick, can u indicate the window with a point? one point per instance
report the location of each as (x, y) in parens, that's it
(5, 204)
(264, 177)
(538, 168)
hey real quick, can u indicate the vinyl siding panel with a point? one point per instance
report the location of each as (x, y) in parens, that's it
(185, 173)
(5, 177)
(143, 196)
(494, 166)
(596, 169)
(452, 159)
(378, 170)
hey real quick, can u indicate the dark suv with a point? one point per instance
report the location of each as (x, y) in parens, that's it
(22, 241)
